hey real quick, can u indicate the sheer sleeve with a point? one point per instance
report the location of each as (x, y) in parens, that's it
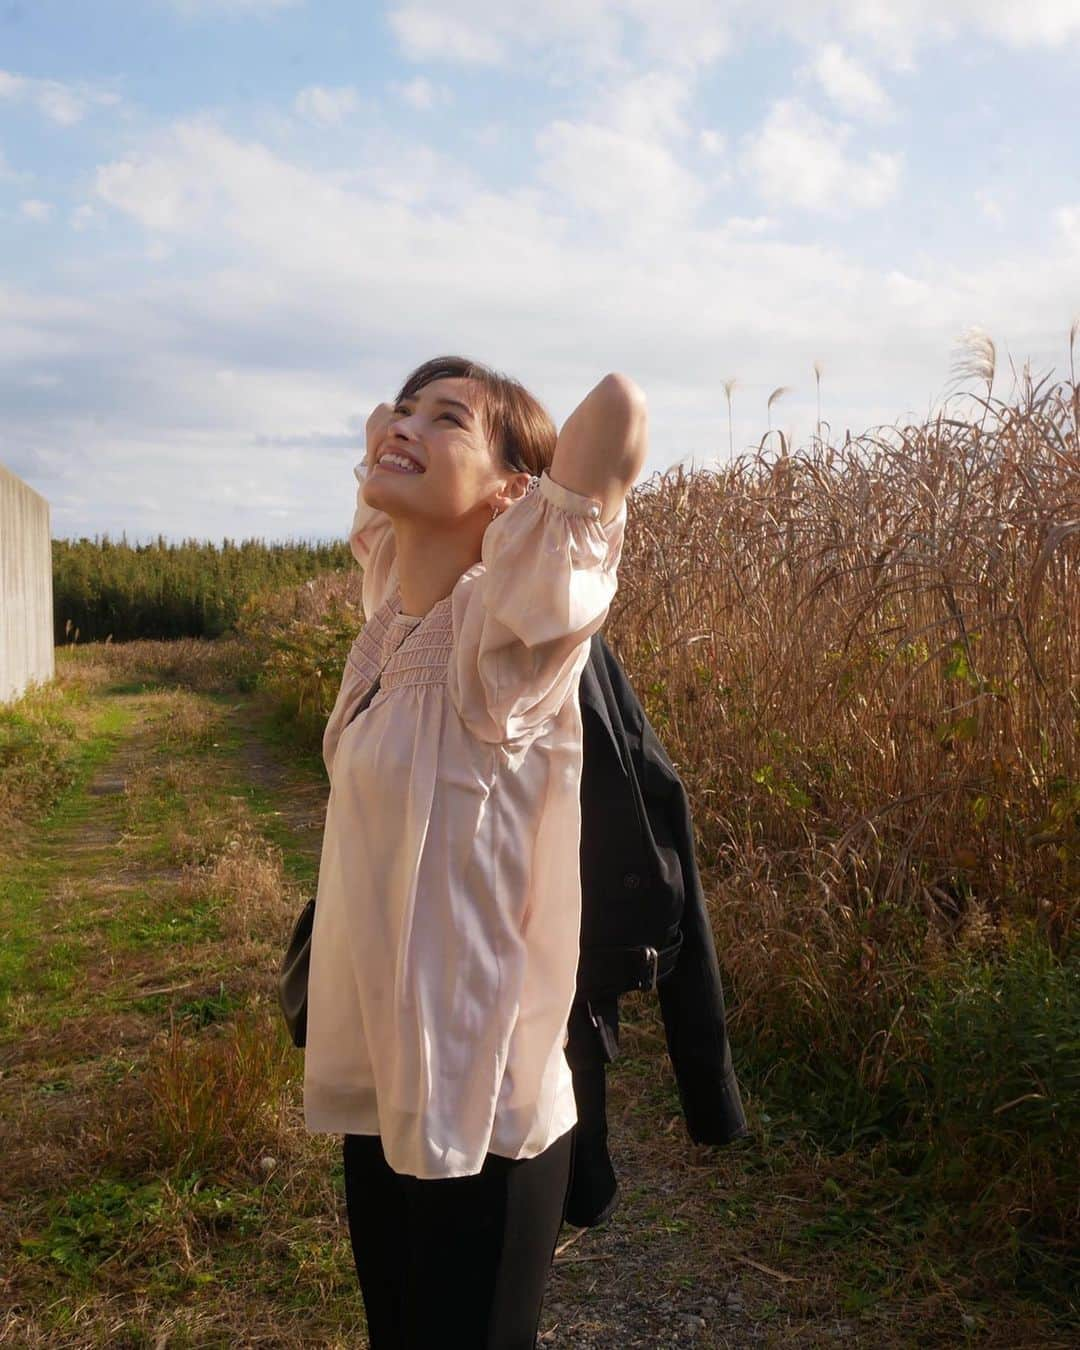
(372, 542)
(522, 621)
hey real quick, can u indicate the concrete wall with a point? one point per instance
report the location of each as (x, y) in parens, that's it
(26, 594)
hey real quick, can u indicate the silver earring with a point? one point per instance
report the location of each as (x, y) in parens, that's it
(533, 483)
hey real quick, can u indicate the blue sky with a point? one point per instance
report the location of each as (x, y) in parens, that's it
(228, 228)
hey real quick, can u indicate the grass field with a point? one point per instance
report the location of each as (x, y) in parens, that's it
(158, 1187)
(864, 660)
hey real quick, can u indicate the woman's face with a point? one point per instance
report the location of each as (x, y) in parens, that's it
(442, 431)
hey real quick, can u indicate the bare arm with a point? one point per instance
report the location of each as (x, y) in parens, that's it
(603, 443)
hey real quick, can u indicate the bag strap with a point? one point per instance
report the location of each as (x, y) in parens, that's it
(366, 699)
(617, 970)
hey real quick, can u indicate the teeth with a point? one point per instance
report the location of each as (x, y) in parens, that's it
(405, 463)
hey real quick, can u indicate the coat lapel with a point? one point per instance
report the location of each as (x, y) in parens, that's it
(593, 698)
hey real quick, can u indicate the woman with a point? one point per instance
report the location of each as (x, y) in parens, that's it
(445, 945)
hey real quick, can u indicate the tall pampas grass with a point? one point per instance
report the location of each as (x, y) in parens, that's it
(729, 391)
(774, 397)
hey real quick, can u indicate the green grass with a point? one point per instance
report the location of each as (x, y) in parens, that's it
(26, 883)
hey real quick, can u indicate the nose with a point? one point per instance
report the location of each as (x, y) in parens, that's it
(403, 427)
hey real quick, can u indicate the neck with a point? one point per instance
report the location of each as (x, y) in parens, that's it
(429, 563)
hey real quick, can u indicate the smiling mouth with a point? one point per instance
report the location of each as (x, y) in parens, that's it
(398, 463)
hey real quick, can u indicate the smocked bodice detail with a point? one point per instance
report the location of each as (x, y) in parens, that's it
(409, 650)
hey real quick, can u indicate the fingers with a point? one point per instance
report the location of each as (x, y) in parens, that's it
(381, 417)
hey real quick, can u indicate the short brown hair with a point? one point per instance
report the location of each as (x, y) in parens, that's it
(518, 425)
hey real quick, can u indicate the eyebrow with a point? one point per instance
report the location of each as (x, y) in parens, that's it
(453, 402)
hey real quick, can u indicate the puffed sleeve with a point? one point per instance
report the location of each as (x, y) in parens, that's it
(522, 622)
(372, 542)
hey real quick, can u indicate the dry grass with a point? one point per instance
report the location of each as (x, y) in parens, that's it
(194, 663)
(866, 661)
(218, 1100)
(244, 880)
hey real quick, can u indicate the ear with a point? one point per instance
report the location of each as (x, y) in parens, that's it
(512, 490)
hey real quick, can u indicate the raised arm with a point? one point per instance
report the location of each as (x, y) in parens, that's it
(603, 443)
(369, 525)
(371, 535)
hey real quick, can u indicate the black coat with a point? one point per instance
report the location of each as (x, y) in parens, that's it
(641, 890)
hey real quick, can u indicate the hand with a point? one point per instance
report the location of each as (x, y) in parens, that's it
(381, 417)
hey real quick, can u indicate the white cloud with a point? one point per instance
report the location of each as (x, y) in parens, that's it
(39, 325)
(601, 34)
(799, 159)
(648, 106)
(326, 107)
(611, 172)
(1067, 219)
(899, 29)
(1035, 23)
(146, 188)
(990, 205)
(848, 85)
(712, 142)
(420, 93)
(690, 34)
(908, 291)
(433, 33)
(749, 225)
(592, 34)
(323, 266)
(621, 160)
(197, 180)
(35, 209)
(316, 290)
(64, 104)
(83, 216)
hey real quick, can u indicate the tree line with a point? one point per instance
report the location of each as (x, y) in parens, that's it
(104, 588)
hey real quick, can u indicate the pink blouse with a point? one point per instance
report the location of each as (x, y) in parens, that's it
(445, 946)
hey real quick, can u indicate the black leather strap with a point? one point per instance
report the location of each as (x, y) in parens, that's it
(365, 700)
(621, 969)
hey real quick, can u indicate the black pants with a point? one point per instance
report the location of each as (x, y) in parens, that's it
(459, 1261)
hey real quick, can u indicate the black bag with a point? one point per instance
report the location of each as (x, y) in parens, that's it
(293, 971)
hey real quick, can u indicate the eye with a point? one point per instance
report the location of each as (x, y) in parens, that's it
(453, 419)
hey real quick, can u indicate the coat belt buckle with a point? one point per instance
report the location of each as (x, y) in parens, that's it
(653, 958)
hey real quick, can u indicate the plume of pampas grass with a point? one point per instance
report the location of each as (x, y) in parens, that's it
(729, 389)
(778, 392)
(975, 358)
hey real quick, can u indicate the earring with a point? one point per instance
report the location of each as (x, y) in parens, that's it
(531, 486)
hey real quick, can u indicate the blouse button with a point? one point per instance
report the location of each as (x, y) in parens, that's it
(631, 879)
(594, 511)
